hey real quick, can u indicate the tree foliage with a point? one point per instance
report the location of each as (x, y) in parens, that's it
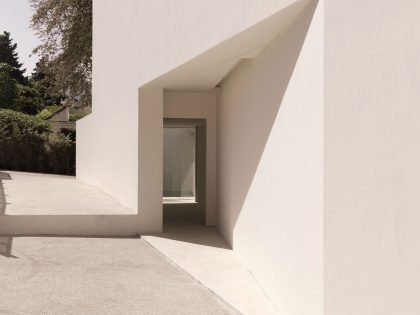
(17, 92)
(65, 28)
(28, 100)
(9, 55)
(8, 87)
(43, 82)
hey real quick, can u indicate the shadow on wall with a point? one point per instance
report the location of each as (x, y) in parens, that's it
(5, 241)
(276, 63)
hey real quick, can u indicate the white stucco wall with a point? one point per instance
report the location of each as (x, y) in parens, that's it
(270, 160)
(372, 154)
(135, 41)
(275, 139)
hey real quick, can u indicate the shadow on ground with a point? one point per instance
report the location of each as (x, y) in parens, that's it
(185, 224)
(194, 234)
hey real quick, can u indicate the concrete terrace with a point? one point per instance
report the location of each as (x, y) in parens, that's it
(42, 204)
(45, 194)
(187, 269)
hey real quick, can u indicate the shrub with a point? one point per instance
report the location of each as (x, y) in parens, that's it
(70, 133)
(60, 151)
(74, 116)
(28, 144)
(47, 111)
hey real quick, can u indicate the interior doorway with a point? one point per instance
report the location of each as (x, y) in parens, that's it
(184, 171)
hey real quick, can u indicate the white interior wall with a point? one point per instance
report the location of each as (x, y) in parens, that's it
(372, 154)
(270, 165)
(199, 105)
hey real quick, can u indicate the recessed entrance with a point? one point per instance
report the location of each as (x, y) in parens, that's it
(184, 171)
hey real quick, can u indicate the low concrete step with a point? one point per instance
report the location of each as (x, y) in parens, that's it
(121, 225)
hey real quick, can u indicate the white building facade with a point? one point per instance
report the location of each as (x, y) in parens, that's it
(312, 139)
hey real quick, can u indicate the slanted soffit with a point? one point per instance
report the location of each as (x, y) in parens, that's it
(208, 69)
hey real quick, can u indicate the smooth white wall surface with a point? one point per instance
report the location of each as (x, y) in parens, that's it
(372, 154)
(150, 163)
(135, 41)
(271, 209)
(270, 164)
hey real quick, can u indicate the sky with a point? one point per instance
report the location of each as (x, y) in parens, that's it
(15, 16)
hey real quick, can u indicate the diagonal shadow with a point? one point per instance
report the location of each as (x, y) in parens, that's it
(5, 241)
(283, 52)
(257, 129)
(185, 223)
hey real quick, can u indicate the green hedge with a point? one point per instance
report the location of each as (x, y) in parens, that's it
(47, 111)
(28, 144)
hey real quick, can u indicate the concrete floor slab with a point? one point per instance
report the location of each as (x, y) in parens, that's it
(110, 276)
(45, 194)
(202, 252)
(97, 276)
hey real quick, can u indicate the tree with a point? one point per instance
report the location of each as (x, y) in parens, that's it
(8, 87)
(43, 81)
(9, 55)
(40, 92)
(28, 100)
(65, 28)
(15, 90)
